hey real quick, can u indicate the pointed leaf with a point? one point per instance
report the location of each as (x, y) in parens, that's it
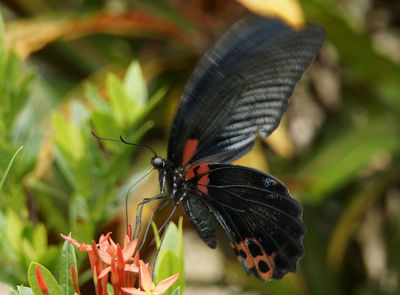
(105, 125)
(135, 85)
(110, 289)
(13, 230)
(52, 286)
(177, 291)
(67, 258)
(170, 260)
(156, 235)
(169, 264)
(29, 252)
(170, 239)
(153, 101)
(68, 138)
(9, 164)
(39, 238)
(123, 108)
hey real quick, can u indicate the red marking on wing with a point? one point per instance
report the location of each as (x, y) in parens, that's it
(253, 262)
(189, 149)
(202, 182)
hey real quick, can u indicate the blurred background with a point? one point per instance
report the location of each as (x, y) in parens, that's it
(118, 67)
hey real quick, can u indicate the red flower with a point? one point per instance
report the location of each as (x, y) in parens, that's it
(147, 285)
(108, 257)
(74, 280)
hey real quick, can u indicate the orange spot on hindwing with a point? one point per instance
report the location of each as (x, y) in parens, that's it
(253, 257)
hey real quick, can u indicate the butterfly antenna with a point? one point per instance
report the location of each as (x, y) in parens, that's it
(104, 138)
(139, 144)
(121, 139)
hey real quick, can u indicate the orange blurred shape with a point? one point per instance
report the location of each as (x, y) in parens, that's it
(280, 142)
(30, 35)
(288, 10)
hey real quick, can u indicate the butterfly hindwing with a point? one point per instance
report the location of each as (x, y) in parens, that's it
(259, 216)
(240, 88)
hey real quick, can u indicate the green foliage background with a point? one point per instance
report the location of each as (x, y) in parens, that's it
(75, 68)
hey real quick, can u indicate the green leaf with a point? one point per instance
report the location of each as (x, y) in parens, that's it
(94, 96)
(170, 239)
(68, 138)
(150, 106)
(156, 235)
(135, 85)
(168, 265)
(61, 159)
(55, 219)
(116, 166)
(52, 286)
(347, 223)
(13, 230)
(171, 256)
(110, 289)
(105, 125)
(28, 250)
(51, 256)
(80, 217)
(67, 258)
(10, 164)
(181, 251)
(24, 290)
(123, 108)
(342, 159)
(177, 291)
(39, 238)
(2, 33)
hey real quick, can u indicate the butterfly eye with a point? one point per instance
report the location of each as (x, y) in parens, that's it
(157, 162)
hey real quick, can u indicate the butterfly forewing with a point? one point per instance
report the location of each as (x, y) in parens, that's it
(240, 88)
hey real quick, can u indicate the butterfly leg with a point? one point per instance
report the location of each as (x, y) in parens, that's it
(163, 205)
(139, 211)
(162, 239)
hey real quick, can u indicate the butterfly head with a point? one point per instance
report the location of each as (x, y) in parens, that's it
(158, 163)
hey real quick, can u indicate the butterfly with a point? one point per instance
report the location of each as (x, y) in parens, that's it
(239, 90)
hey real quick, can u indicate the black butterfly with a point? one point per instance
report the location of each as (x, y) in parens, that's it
(239, 89)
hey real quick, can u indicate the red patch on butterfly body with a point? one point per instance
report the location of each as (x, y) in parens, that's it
(202, 171)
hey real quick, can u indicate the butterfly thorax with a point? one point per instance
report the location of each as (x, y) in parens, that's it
(173, 179)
